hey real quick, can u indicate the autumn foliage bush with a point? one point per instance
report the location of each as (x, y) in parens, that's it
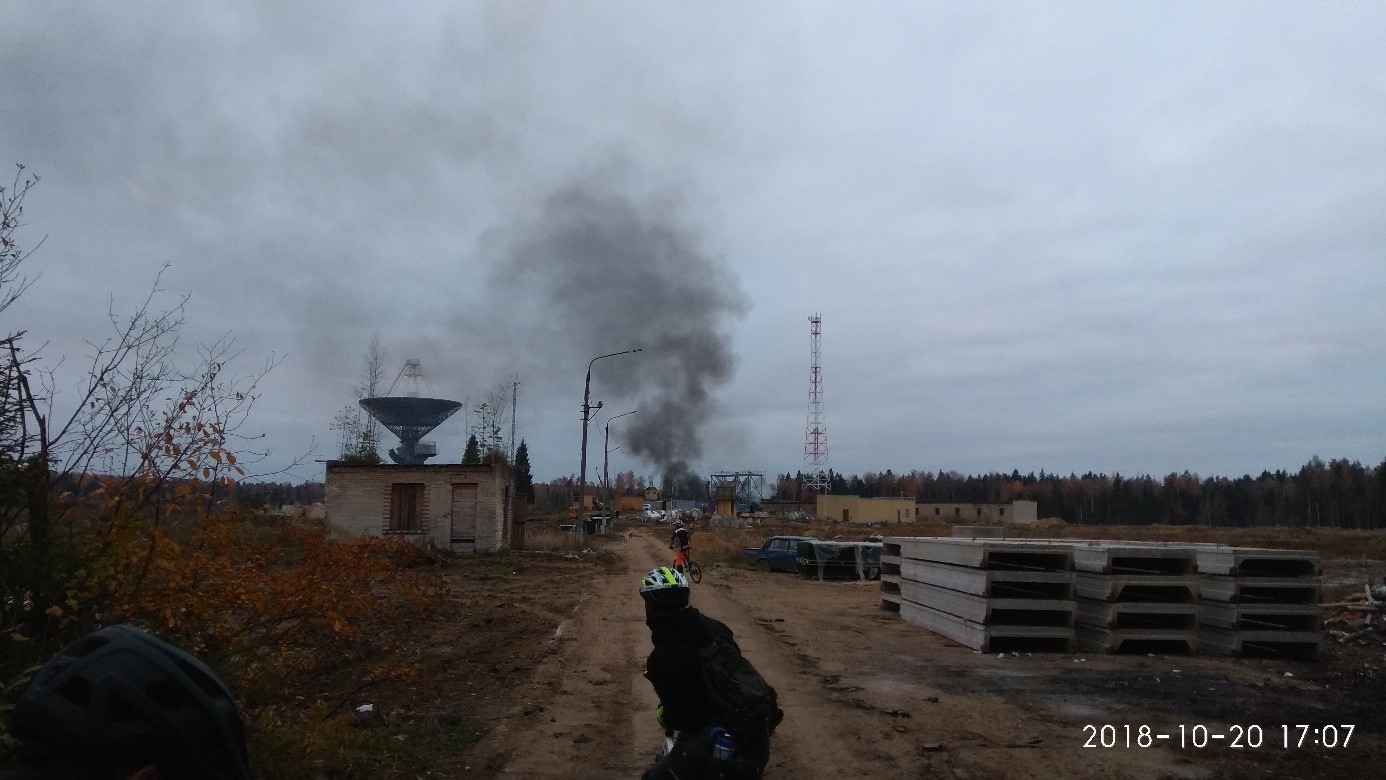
(276, 607)
(112, 483)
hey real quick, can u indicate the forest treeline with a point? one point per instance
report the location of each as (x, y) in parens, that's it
(276, 494)
(1333, 494)
(255, 495)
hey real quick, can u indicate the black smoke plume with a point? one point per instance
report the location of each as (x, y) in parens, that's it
(600, 272)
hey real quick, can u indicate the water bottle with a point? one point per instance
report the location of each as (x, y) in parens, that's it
(722, 746)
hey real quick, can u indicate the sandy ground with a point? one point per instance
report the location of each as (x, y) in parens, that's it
(867, 694)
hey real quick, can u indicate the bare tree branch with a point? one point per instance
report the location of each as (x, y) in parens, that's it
(11, 256)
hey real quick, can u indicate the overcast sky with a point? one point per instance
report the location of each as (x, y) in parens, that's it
(1111, 237)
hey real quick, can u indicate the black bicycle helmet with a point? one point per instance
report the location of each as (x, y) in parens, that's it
(120, 697)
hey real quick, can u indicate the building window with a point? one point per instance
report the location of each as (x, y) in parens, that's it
(979, 511)
(935, 510)
(957, 511)
(1002, 510)
(406, 507)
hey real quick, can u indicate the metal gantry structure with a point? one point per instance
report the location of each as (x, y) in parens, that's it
(746, 486)
(816, 432)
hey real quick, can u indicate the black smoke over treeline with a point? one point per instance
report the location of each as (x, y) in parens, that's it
(597, 270)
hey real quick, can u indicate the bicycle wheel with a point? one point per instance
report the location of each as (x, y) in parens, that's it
(695, 572)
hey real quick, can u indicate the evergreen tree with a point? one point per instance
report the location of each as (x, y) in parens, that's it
(524, 479)
(365, 457)
(472, 457)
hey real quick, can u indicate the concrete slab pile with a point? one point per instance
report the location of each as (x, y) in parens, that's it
(1106, 596)
(987, 594)
(1260, 602)
(1136, 597)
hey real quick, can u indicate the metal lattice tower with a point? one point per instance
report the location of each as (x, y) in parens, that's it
(412, 374)
(815, 433)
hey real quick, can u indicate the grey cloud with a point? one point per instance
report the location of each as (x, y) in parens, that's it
(1108, 213)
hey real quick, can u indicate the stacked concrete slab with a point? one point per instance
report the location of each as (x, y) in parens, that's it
(1259, 601)
(1135, 597)
(987, 594)
(1106, 596)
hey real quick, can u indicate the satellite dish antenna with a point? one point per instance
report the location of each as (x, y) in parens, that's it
(411, 416)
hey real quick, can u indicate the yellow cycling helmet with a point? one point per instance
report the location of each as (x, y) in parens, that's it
(665, 592)
(662, 578)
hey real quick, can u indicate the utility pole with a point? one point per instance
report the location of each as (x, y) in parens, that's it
(587, 410)
(606, 462)
(514, 404)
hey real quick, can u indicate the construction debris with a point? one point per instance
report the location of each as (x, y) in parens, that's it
(1357, 617)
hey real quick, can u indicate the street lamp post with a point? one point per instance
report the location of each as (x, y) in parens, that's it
(606, 459)
(606, 478)
(587, 410)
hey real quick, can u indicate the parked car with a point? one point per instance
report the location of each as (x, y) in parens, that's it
(778, 553)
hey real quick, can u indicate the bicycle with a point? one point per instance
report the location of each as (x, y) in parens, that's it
(691, 569)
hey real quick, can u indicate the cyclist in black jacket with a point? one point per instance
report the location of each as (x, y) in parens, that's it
(679, 632)
(681, 543)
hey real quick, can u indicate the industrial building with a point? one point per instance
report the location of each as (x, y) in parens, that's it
(854, 509)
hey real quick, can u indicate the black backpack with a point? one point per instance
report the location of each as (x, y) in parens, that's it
(742, 700)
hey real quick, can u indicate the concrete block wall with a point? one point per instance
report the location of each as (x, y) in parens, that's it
(492, 514)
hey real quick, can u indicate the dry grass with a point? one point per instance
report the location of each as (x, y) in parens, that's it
(547, 538)
(552, 539)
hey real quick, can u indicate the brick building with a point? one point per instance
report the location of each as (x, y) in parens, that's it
(456, 507)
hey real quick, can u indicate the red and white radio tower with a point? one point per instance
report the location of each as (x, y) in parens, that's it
(815, 433)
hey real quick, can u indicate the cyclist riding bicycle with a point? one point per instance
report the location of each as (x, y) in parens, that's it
(681, 544)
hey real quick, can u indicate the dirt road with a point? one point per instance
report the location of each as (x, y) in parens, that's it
(868, 695)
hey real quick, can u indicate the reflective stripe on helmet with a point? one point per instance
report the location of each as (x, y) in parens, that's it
(661, 579)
